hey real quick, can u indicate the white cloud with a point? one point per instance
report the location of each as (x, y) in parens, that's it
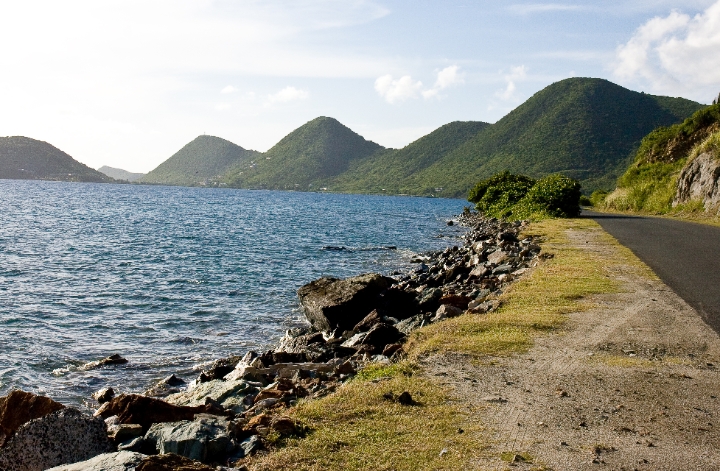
(401, 89)
(528, 8)
(229, 89)
(516, 74)
(675, 52)
(288, 94)
(222, 106)
(406, 88)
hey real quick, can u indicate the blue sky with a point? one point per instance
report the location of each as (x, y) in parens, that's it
(127, 83)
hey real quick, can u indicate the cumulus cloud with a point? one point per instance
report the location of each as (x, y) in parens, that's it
(516, 74)
(401, 89)
(288, 94)
(674, 53)
(229, 89)
(406, 88)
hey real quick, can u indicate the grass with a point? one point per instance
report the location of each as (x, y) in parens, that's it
(533, 306)
(356, 428)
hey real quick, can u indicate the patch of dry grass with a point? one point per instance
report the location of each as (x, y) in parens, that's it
(356, 428)
(534, 305)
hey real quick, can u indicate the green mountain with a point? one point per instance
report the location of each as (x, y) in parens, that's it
(23, 158)
(588, 129)
(389, 170)
(307, 158)
(203, 161)
(120, 174)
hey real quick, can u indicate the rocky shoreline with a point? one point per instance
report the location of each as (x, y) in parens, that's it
(238, 405)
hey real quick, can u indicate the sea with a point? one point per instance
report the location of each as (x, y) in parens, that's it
(172, 278)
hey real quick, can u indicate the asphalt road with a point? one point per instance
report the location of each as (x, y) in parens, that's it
(685, 255)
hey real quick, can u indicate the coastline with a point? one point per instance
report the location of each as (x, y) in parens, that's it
(256, 389)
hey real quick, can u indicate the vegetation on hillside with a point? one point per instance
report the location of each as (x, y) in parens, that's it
(305, 159)
(650, 183)
(203, 161)
(23, 158)
(388, 171)
(120, 174)
(508, 196)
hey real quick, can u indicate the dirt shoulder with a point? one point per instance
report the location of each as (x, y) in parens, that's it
(631, 383)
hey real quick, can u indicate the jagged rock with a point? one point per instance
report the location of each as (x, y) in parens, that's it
(251, 445)
(430, 299)
(118, 461)
(408, 325)
(166, 386)
(104, 395)
(330, 303)
(445, 311)
(111, 360)
(229, 394)
(204, 439)
(497, 257)
(125, 432)
(381, 335)
(219, 369)
(456, 300)
(299, 344)
(368, 321)
(62, 437)
(699, 180)
(143, 410)
(171, 462)
(20, 407)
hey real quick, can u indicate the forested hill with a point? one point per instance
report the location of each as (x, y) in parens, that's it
(23, 158)
(203, 161)
(306, 159)
(588, 129)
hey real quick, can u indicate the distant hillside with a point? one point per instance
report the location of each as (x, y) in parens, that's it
(586, 128)
(306, 158)
(202, 161)
(23, 158)
(120, 174)
(390, 170)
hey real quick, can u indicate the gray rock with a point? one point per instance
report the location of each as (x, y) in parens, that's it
(497, 257)
(118, 461)
(699, 180)
(65, 436)
(204, 439)
(445, 311)
(251, 445)
(229, 394)
(137, 444)
(330, 303)
(415, 322)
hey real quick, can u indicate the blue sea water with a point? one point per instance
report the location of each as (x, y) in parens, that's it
(171, 278)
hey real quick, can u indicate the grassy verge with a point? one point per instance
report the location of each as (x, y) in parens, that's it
(357, 428)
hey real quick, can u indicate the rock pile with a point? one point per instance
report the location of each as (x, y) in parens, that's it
(225, 414)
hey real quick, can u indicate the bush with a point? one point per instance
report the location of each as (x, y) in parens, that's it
(597, 198)
(585, 201)
(508, 196)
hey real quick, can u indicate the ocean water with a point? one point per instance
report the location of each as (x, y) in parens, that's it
(172, 278)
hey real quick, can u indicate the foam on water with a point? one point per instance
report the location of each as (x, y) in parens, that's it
(173, 277)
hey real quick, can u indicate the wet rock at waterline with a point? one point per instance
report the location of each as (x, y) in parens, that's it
(20, 407)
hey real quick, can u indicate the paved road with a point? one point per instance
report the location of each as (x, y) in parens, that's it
(685, 255)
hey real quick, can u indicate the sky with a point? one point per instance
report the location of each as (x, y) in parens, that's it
(127, 83)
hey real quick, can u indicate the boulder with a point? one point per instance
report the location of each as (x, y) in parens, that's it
(118, 461)
(104, 395)
(368, 321)
(445, 311)
(408, 325)
(111, 360)
(330, 303)
(204, 439)
(229, 394)
(219, 368)
(171, 462)
(381, 335)
(456, 300)
(143, 410)
(497, 257)
(20, 407)
(62, 437)
(166, 386)
(299, 344)
(429, 299)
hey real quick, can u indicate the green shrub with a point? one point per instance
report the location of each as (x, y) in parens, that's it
(496, 195)
(509, 196)
(585, 201)
(597, 198)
